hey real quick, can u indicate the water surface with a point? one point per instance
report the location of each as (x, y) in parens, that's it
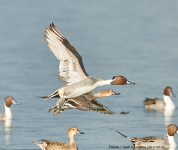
(136, 39)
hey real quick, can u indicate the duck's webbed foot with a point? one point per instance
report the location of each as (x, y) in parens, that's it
(58, 111)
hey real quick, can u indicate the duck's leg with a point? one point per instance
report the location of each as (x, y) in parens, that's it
(62, 103)
(56, 106)
(60, 107)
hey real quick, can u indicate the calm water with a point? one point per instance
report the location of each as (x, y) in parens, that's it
(137, 39)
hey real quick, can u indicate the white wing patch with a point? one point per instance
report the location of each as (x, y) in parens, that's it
(69, 67)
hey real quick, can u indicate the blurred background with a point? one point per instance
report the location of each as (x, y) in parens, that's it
(136, 39)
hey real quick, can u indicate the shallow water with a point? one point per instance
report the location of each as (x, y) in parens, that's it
(136, 39)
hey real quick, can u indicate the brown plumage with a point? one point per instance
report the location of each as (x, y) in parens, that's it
(149, 101)
(88, 102)
(55, 145)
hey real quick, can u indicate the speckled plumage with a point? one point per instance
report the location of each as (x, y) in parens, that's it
(56, 145)
(152, 141)
(87, 102)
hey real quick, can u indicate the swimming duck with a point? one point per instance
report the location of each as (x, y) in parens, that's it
(150, 141)
(158, 104)
(72, 70)
(87, 102)
(55, 145)
(8, 101)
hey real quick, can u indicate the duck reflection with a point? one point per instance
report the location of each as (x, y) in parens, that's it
(7, 129)
(172, 148)
(168, 115)
(165, 114)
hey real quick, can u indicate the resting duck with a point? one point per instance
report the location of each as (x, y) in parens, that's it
(158, 104)
(150, 141)
(55, 145)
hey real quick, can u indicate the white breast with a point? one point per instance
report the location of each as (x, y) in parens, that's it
(169, 103)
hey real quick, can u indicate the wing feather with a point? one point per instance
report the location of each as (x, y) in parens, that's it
(71, 66)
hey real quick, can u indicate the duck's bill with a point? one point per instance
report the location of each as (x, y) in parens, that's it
(16, 103)
(172, 94)
(80, 132)
(132, 83)
(114, 93)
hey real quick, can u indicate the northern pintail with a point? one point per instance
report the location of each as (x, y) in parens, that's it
(8, 101)
(150, 141)
(72, 70)
(55, 145)
(158, 104)
(87, 102)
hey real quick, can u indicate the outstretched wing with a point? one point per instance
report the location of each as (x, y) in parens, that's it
(71, 66)
(98, 107)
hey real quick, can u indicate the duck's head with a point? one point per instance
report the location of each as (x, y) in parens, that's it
(9, 101)
(172, 129)
(108, 92)
(120, 80)
(168, 91)
(73, 130)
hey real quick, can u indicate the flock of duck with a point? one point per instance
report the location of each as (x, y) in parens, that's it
(77, 94)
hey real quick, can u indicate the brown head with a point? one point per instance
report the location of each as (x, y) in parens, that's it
(120, 80)
(9, 101)
(72, 131)
(172, 129)
(168, 91)
(107, 92)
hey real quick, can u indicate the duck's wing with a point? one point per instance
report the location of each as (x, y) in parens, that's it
(55, 145)
(98, 107)
(71, 66)
(150, 101)
(80, 103)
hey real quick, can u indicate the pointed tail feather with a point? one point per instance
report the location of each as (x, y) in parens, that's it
(122, 113)
(53, 95)
(122, 135)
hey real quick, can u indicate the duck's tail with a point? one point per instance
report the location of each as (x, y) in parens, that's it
(53, 95)
(124, 135)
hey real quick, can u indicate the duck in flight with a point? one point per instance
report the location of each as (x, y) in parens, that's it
(87, 102)
(72, 70)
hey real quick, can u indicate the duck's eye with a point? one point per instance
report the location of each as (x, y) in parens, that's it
(122, 79)
(72, 129)
(114, 77)
(108, 91)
